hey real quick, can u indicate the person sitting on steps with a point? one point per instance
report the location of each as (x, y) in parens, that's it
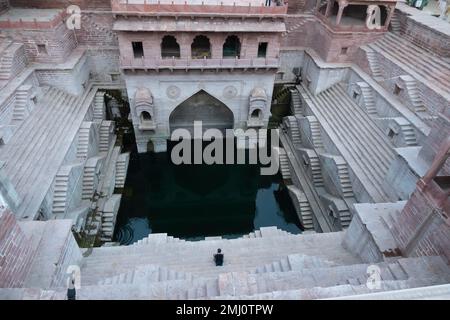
(218, 257)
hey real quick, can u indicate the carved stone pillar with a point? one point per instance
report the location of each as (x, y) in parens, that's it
(329, 9)
(342, 5)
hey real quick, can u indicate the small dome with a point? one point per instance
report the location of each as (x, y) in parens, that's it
(258, 93)
(143, 96)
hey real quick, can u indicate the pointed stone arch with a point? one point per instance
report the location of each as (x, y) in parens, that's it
(201, 107)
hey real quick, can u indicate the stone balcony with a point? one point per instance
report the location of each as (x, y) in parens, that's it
(228, 8)
(199, 64)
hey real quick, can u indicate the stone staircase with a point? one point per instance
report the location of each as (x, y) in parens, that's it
(89, 179)
(284, 164)
(296, 103)
(104, 140)
(409, 134)
(316, 170)
(39, 145)
(369, 100)
(361, 143)
(83, 140)
(395, 25)
(60, 192)
(195, 257)
(418, 62)
(302, 207)
(414, 95)
(316, 135)
(374, 65)
(21, 104)
(292, 27)
(344, 179)
(295, 265)
(121, 169)
(6, 61)
(294, 131)
(99, 106)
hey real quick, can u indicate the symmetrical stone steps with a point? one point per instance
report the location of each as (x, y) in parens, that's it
(121, 169)
(104, 136)
(278, 276)
(294, 130)
(417, 60)
(83, 140)
(344, 179)
(88, 182)
(316, 170)
(369, 100)
(6, 60)
(345, 217)
(237, 284)
(20, 106)
(146, 274)
(395, 24)
(409, 134)
(414, 95)
(358, 139)
(284, 164)
(39, 145)
(296, 103)
(60, 191)
(99, 106)
(374, 65)
(316, 134)
(299, 24)
(243, 254)
(304, 210)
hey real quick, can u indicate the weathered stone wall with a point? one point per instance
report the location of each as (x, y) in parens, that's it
(420, 230)
(439, 132)
(96, 30)
(59, 43)
(73, 81)
(328, 44)
(16, 251)
(422, 35)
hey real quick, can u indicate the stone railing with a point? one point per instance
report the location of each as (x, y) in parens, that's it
(341, 28)
(197, 7)
(33, 23)
(189, 63)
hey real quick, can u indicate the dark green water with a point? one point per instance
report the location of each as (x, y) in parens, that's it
(194, 201)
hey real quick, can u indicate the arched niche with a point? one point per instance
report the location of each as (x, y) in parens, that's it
(257, 107)
(144, 109)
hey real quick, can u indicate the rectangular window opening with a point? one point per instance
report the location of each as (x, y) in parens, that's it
(262, 49)
(138, 49)
(42, 48)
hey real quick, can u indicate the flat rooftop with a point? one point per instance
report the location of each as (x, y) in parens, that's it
(255, 3)
(30, 15)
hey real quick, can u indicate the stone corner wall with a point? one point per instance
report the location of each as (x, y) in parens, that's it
(424, 36)
(16, 252)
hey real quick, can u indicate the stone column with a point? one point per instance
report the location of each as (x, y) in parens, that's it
(342, 5)
(390, 10)
(184, 40)
(216, 42)
(330, 5)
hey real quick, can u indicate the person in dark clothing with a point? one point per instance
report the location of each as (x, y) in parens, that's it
(71, 291)
(218, 258)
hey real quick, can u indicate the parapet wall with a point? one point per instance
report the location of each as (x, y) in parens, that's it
(423, 31)
(16, 252)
